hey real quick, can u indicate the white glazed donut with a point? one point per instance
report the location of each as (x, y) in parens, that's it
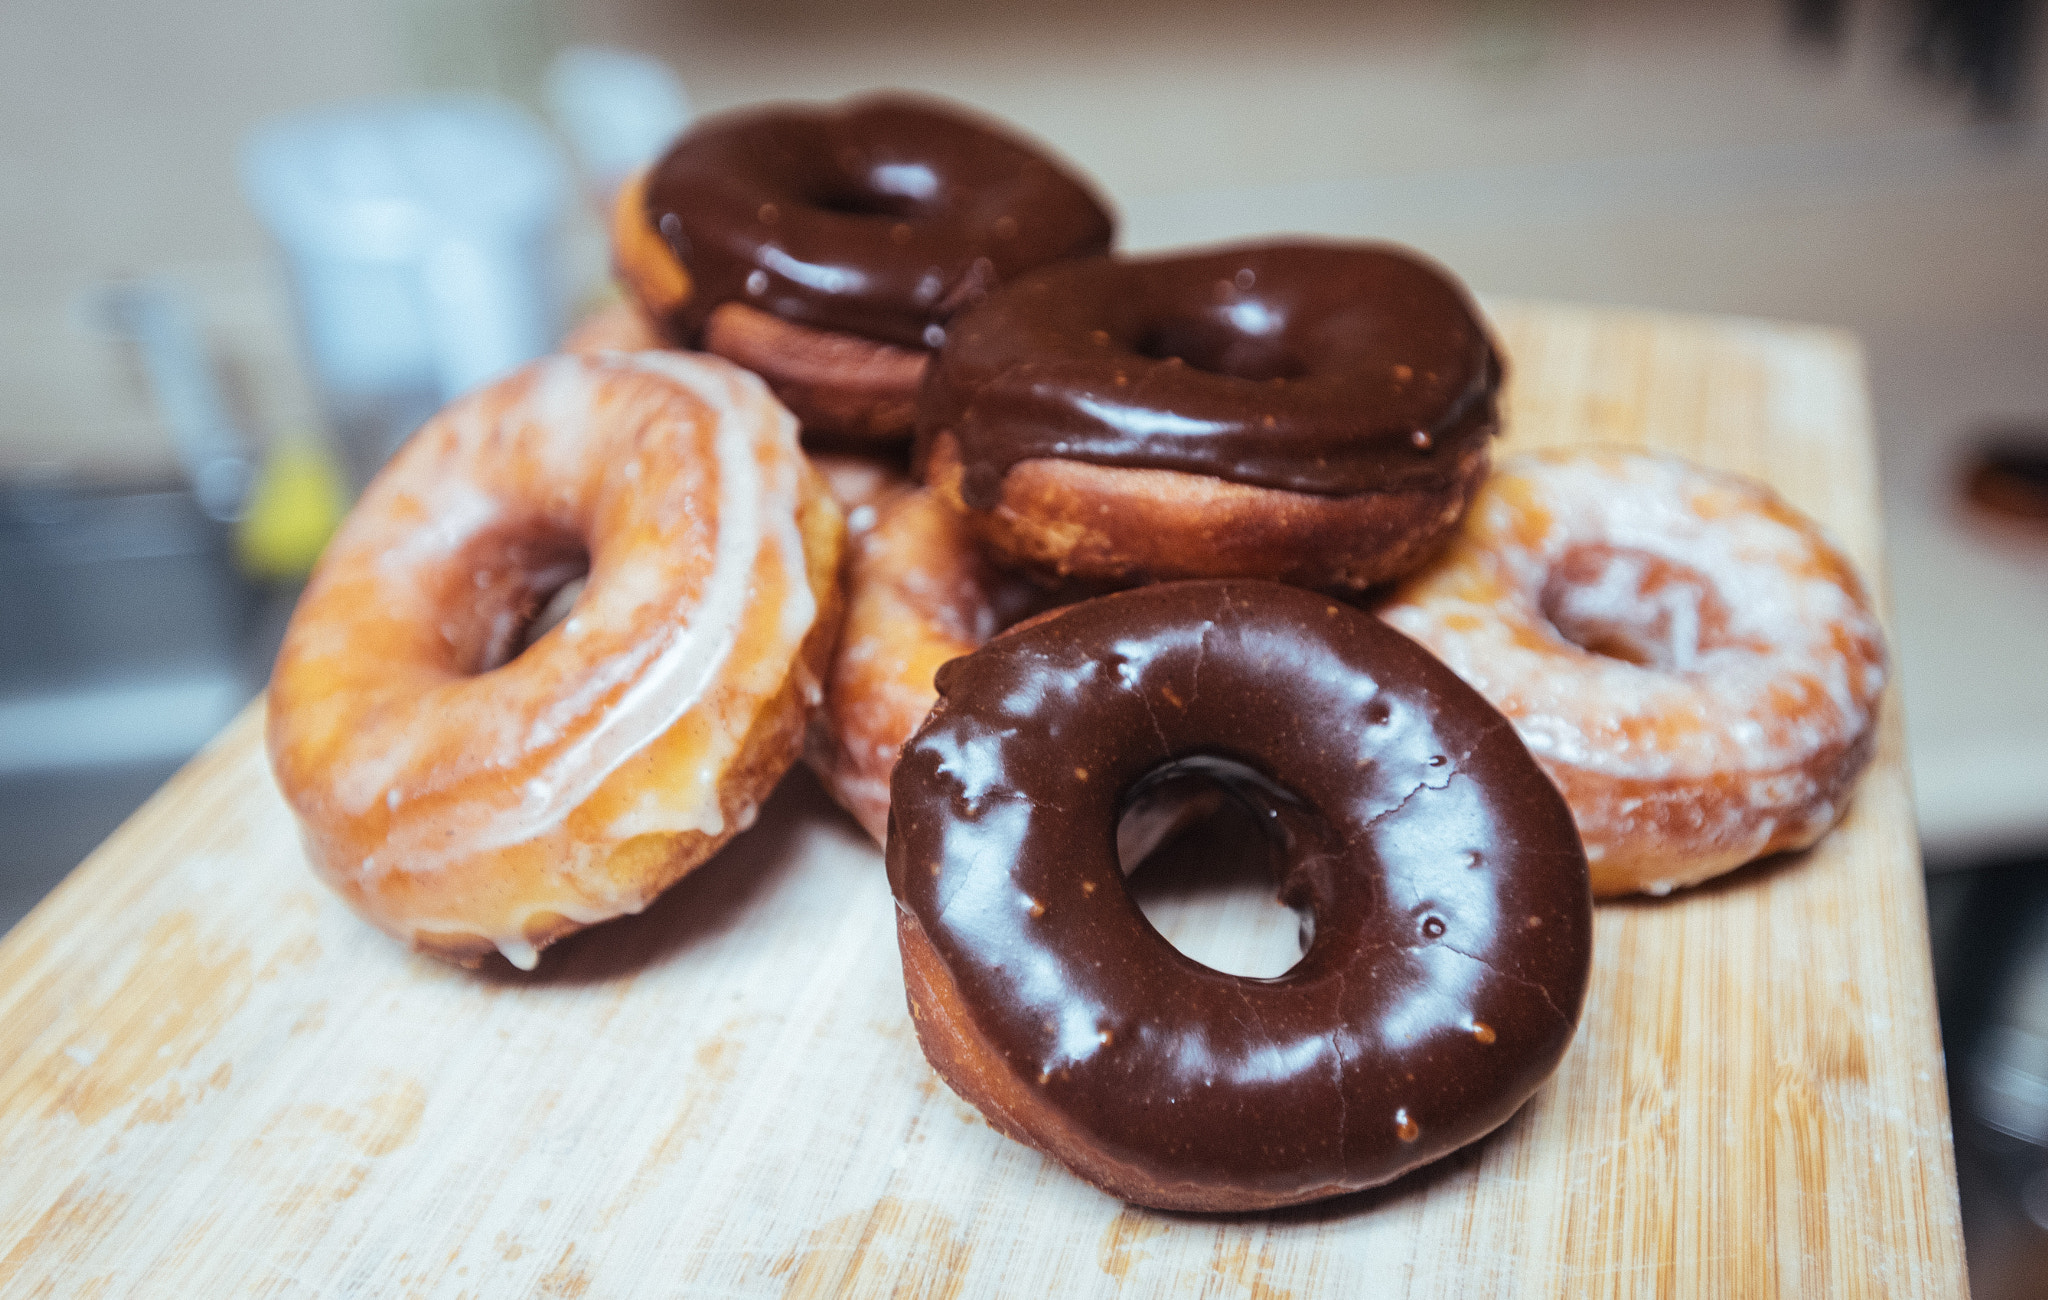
(1687, 656)
(468, 791)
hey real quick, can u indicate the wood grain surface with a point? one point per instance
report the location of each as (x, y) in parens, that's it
(215, 1080)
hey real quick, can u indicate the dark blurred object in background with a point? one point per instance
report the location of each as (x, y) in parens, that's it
(1990, 932)
(2006, 476)
(130, 640)
(1978, 45)
(1817, 20)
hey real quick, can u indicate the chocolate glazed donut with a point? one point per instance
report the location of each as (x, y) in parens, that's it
(1313, 412)
(1441, 877)
(827, 248)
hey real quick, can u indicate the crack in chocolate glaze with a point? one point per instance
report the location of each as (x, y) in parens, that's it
(1152, 716)
(1422, 784)
(1337, 1052)
(1513, 978)
(1379, 776)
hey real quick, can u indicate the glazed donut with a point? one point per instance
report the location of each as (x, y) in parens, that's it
(1313, 413)
(1451, 920)
(826, 248)
(918, 594)
(860, 484)
(1685, 654)
(466, 794)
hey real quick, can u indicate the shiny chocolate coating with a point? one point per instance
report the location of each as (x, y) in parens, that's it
(1331, 368)
(1438, 868)
(881, 217)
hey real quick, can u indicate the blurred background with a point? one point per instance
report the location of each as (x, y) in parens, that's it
(193, 371)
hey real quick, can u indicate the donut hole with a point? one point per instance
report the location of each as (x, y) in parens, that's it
(897, 190)
(514, 586)
(1634, 605)
(1220, 347)
(1201, 857)
(850, 202)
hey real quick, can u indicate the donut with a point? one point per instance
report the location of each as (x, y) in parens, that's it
(826, 248)
(1315, 413)
(1444, 884)
(1688, 657)
(469, 791)
(918, 594)
(860, 483)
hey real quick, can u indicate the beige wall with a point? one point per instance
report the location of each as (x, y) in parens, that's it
(117, 123)
(1661, 152)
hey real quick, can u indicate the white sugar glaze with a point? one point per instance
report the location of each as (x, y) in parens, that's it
(1753, 662)
(640, 690)
(1783, 616)
(686, 493)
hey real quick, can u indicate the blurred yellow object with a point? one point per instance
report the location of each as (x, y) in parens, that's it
(296, 503)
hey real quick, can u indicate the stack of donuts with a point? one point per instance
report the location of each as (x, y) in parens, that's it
(1035, 552)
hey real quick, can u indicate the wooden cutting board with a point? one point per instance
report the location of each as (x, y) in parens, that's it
(214, 1080)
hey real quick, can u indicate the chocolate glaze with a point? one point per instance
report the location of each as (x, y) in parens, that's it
(1451, 915)
(881, 217)
(1315, 367)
